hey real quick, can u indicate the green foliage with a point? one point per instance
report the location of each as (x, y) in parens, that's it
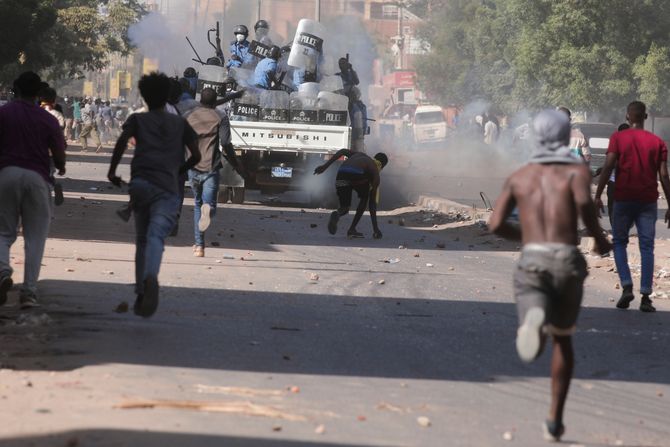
(62, 37)
(589, 55)
(652, 71)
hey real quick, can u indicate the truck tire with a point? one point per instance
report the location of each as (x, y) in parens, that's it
(237, 195)
(224, 194)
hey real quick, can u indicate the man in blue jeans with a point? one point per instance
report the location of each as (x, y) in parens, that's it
(213, 129)
(154, 192)
(640, 159)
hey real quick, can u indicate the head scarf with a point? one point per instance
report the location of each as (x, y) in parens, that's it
(551, 132)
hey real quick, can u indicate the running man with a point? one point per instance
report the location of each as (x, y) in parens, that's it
(551, 192)
(358, 173)
(155, 170)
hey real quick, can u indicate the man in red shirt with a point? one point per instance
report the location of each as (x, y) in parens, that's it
(28, 134)
(640, 159)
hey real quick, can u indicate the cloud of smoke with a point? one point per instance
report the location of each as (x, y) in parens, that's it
(463, 155)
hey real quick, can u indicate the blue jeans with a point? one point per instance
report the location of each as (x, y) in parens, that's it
(205, 186)
(644, 216)
(155, 213)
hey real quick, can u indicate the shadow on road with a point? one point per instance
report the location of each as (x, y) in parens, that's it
(389, 337)
(151, 439)
(92, 217)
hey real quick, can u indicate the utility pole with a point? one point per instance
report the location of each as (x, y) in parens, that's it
(317, 13)
(401, 37)
(195, 13)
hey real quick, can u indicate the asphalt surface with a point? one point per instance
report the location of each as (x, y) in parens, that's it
(284, 335)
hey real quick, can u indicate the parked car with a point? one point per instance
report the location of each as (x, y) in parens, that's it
(429, 124)
(598, 136)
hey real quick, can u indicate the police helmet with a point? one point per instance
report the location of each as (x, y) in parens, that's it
(241, 29)
(214, 61)
(261, 24)
(190, 72)
(286, 49)
(230, 83)
(275, 52)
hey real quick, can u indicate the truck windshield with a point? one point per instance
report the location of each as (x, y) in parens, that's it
(429, 118)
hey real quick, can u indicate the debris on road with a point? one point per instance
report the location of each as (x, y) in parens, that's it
(320, 429)
(121, 308)
(390, 261)
(385, 406)
(441, 244)
(381, 281)
(282, 328)
(313, 225)
(423, 421)
(508, 436)
(33, 320)
(294, 389)
(230, 257)
(276, 428)
(232, 407)
(238, 391)
(314, 277)
(428, 264)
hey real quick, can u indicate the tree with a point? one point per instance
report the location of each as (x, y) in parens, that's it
(63, 37)
(652, 72)
(589, 55)
(22, 22)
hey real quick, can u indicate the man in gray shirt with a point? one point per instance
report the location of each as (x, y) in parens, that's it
(154, 192)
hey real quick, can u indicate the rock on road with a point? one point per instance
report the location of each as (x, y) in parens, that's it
(284, 335)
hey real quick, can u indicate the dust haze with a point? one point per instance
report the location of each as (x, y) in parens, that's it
(413, 168)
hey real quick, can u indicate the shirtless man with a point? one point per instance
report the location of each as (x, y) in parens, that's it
(358, 173)
(551, 192)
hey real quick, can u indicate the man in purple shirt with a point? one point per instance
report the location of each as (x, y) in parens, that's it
(29, 136)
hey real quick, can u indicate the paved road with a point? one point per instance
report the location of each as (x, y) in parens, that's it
(250, 348)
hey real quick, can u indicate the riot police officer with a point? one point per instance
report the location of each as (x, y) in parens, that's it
(266, 70)
(262, 30)
(239, 48)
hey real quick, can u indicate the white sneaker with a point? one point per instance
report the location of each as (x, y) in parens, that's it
(205, 220)
(529, 335)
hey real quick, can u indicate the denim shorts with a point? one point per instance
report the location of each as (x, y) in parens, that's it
(551, 276)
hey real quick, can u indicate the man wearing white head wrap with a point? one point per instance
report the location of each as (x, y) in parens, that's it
(551, 193)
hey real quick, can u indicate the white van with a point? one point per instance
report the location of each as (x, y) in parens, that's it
(429, 124)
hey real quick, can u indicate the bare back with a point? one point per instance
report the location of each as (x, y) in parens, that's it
(547, 196)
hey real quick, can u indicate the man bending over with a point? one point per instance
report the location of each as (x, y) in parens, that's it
(358, 173)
